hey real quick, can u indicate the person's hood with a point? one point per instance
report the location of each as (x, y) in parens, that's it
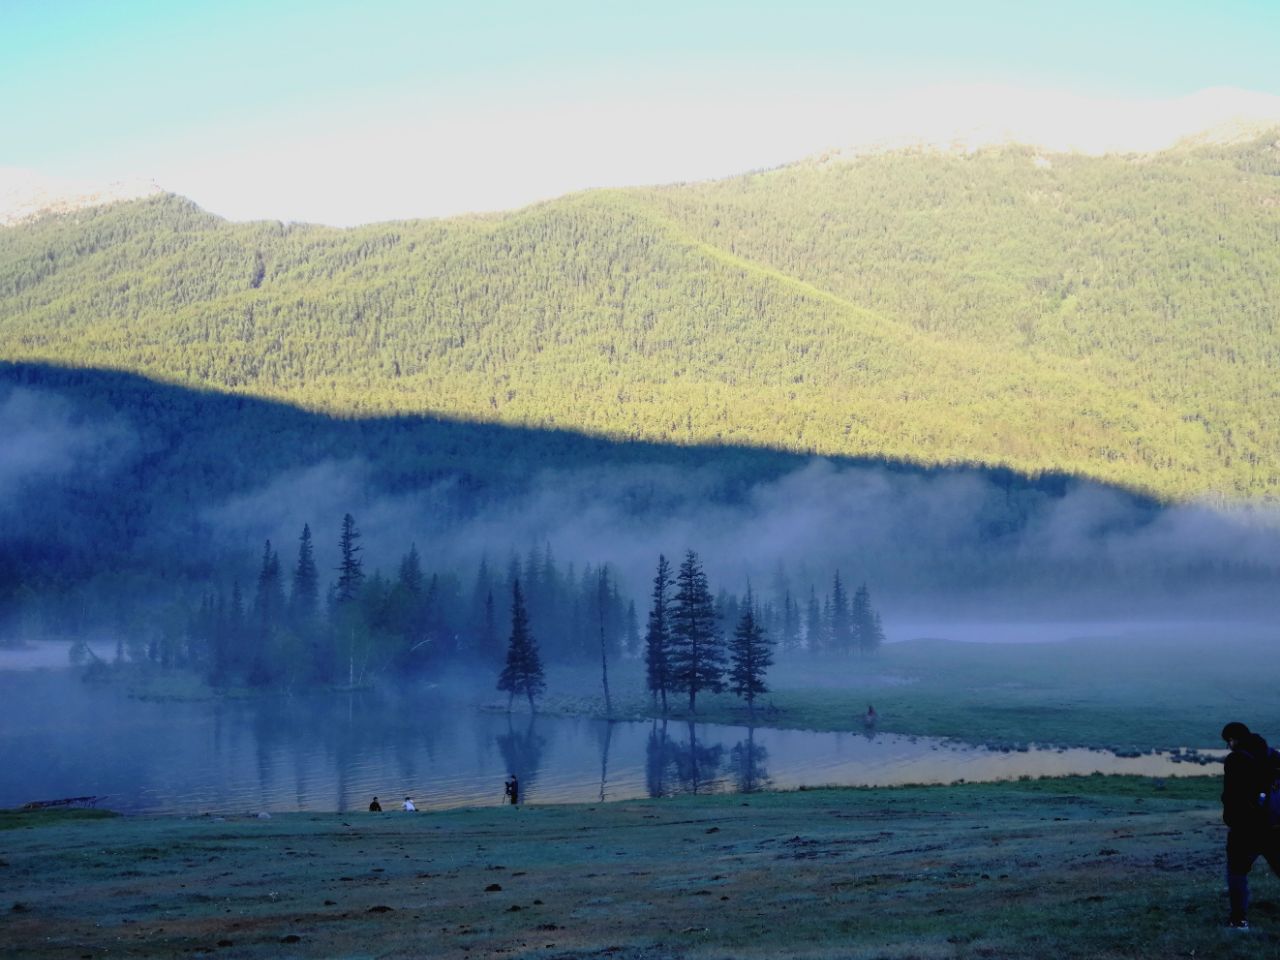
(1254, 745)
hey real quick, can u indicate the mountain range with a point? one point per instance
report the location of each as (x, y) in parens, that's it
(1112, 317)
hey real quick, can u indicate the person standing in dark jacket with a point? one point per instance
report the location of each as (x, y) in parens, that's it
(1245, 777)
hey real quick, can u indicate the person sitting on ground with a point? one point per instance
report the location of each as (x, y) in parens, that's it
(1247, 776)
(408, 806)
(375, 806)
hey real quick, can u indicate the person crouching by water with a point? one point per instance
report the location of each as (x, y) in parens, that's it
(375, 806)
(511, 790)
(408, 806)
(1247, 776)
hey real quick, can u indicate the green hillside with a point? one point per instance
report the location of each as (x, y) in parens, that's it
(1113, 317)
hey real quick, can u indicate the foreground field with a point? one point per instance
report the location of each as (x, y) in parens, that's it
(1085, 867)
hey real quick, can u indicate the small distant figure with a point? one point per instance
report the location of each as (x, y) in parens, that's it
(375, 806)
(1251, 773)
(408, 806)
(511, 789)
(870, 718)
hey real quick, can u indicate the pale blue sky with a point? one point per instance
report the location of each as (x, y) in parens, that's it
(344, 111)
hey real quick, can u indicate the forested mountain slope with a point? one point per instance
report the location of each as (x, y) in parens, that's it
(1112, 317)
(120, 496)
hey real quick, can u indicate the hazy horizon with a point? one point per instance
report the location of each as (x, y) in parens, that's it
(396, 110)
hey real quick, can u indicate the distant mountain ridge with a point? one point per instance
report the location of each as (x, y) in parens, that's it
(1110, 316)
(967, 119)
(948, 118)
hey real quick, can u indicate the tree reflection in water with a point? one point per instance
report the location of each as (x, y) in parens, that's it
(522, 753)
(681, 766)
(606, 740)
(747, 760)
(656, 760)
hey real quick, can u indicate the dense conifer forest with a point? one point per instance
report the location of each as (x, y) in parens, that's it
(1112, 318)
(292, 629)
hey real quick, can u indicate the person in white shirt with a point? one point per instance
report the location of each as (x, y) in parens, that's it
(408, 806)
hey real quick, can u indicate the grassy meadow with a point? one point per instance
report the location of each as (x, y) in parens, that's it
(1159, 689)
(1097, 867)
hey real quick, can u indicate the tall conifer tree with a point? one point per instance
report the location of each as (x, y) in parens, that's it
(790, 623)
(351, 569)
(813, 623)
(657, 639)
(268, 610)
(841, 628)
(868, 633)
(304, 598)
(697, 651)
(750, 656)
(522, 673)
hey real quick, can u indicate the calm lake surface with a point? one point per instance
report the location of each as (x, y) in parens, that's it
(65, 738)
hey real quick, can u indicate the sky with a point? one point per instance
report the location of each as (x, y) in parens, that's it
(344, 113)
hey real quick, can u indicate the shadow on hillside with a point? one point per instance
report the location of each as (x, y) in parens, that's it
(234, 439)
(151, 482)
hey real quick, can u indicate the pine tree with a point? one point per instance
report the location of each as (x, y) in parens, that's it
(348, 622)
(813, 623)
(841, 628)
(876, 637)
(523, 670)
(304, 598)
(535, 599)
(268, 610)
(632, 642)
(750, 656)
(697, 651)
(408, 604)
(868, 633)
(351, 570)
(410, 575)
(553, 587)
(657, 639)
(790, 624)
(727, 612)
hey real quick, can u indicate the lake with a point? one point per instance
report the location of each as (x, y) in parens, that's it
(62, 737)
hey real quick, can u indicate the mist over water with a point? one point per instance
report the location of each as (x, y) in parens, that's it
(950, 542)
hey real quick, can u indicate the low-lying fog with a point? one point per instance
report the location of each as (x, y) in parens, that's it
(958, 541)
(98, 547)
